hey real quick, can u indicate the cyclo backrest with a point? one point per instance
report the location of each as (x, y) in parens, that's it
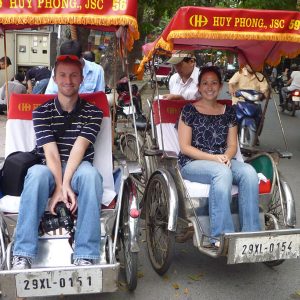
(20, 135)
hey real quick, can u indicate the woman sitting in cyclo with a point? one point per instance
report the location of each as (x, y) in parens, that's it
(208, 143)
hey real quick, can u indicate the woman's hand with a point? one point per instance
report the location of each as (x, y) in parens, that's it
(223, 159)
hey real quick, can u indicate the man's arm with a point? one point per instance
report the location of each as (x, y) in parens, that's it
(29, 86)
(54, 164)
(76, 155)
(100, 84)
(52, 86)
(3, 92)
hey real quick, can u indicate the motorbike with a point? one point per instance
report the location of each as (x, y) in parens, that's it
(292, 102)
(124, 109)
(249, 116)
(278, 84)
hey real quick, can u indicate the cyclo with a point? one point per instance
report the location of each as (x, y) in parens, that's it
(176, 210)
(53, 273)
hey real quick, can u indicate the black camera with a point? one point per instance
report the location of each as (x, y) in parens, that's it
(63, 219)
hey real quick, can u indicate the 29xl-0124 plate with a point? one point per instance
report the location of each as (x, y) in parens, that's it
(263, 248)
(56, 282)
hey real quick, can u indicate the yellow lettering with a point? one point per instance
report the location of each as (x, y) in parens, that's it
(248, 22)
(276, 23)
(24, 107)
(98, 4)
(216, 21)
(198, 21)
(64, 4)
(228, 20)
(13, 4)
(40, 2)
(48, 4)
(57, 5)
(29, 3)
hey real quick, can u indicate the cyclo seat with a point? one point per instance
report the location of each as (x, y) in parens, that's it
(20, 136)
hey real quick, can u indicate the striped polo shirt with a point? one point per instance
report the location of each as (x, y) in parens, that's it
(48, 120)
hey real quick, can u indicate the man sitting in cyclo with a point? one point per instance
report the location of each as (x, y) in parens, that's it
(67, 174)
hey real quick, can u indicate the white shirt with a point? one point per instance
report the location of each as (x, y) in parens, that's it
(295, 85)
(189, 89)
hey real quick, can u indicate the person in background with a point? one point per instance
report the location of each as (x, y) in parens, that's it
(89, 55)
(183, 84)
(246, 78)
(4, 62)
(14, 86)
(40, 76)
(207, 134)
(292, 84)
(93, 74)
(68, 174)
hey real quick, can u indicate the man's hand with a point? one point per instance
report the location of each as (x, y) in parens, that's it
(172, 97)
(56, 197)
(65, 195)
(69, 198)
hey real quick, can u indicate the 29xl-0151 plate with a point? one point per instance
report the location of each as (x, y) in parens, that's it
(56, 282)
(295, 98)
(263, 248)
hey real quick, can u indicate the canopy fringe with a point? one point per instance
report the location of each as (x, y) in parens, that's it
(244, 35)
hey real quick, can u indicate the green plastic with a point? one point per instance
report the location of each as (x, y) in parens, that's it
(263, 164)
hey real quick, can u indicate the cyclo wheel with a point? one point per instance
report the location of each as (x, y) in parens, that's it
(279, 210)
(130, 258)
(160, 241)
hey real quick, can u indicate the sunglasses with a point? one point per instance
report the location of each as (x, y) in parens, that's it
(187, 59)
(67, 57)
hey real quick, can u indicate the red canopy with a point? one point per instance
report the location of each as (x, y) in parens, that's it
(257, 36)
(111, 14)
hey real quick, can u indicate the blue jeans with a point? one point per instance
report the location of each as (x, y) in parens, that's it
(40, 86)
(221, 177)
(39, 185)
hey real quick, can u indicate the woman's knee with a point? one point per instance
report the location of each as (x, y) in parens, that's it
(249, 173)
(223, 173)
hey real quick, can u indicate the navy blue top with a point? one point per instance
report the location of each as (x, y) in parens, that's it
(48, 119)
(209, 132)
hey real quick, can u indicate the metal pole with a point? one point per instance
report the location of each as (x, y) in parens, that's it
(6, 74)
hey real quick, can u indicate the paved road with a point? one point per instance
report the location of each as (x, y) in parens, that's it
(195, 276)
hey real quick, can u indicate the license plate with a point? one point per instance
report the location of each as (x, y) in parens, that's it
(263, 248)
(59, 282)
(295, 98)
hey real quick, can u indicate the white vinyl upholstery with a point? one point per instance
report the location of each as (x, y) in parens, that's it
(169, 142)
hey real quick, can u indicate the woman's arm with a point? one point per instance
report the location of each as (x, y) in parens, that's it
(231, 142)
